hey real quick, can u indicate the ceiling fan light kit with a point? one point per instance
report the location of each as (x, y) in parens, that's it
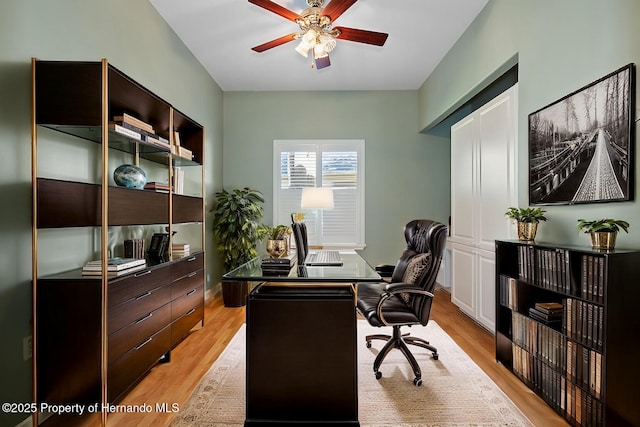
(317, 34)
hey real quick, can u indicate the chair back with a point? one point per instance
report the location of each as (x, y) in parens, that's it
(299, 231)
(423, 236)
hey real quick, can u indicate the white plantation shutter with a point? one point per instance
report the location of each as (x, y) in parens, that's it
(337, 164)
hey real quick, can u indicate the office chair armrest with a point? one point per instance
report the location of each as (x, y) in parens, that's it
(385, 270)
(403, 288)
(396, 289)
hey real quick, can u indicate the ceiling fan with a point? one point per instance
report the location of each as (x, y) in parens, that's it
(317, 33)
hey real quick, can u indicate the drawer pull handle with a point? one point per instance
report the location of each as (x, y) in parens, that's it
(191, 292)
(190, 312)
(144, 273)
(146, 294)
(142, 319)
(147, 341)
(191, 259)
(192, 274)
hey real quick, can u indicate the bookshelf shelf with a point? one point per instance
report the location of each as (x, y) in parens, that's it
(115, 326)
(579, 358)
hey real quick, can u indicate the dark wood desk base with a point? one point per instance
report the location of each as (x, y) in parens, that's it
(301, 356)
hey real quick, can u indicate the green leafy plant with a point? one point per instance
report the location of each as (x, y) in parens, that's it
(603, 225)
(526, 214)
(236, 225)
(278, 232)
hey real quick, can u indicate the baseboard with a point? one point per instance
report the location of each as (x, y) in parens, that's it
(213, 292)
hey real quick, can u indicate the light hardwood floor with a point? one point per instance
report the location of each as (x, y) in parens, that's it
(172, 383)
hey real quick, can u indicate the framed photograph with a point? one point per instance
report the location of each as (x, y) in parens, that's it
(581, 146)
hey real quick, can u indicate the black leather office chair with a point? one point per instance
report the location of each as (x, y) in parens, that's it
(406, 299)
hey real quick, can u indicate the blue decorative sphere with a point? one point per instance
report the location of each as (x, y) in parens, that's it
(130, 176)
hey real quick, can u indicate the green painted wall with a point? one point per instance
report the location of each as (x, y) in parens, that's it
(134, 38)
(406, 173)
(560, 46)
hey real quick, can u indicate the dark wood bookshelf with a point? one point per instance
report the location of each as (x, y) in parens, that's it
(583, 366)
(79, 335)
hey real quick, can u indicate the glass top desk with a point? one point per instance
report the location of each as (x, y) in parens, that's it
(301, 364)
(354, 269)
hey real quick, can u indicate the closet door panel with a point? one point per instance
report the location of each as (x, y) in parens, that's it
(462, 181)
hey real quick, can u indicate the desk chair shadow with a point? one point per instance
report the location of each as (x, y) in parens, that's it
(406, 299)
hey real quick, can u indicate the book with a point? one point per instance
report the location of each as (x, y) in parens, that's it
(543, 317)
(180, 249)
(287, 260)
(549, 307)
(114, 264)
(124, 131)
(178, 180)
(134, 248)
(110, 274)
(127, 118)
(157, 186)
(159, 246)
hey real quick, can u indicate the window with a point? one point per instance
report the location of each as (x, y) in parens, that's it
(338, 164)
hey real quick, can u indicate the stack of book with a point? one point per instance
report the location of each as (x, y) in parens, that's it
(547, 312)
(134, 248)
(135, 128)
(160, 187)
(115, 267)
(178, 180)
(278, 266)
(179, 150)
(180, 249)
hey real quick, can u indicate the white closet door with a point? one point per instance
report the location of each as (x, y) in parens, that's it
(483, 186)
(496, 164)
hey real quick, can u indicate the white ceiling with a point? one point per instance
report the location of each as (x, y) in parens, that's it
(221, 33)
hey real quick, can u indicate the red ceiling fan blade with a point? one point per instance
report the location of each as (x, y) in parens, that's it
(274, 43)
(335, 8)
(362, 36)
(277, 9)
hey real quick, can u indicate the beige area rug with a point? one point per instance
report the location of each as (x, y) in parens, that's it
(455, 391)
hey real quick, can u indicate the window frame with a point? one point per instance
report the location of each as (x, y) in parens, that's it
(319, 146)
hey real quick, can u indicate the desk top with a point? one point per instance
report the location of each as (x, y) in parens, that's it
(354, 269)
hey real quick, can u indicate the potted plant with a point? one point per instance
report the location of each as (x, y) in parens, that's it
(278, 240)
(527, 219)
(603, 232)
(237, 229)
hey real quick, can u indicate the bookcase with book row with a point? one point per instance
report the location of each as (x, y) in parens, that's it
(102, 323)
(567, 323)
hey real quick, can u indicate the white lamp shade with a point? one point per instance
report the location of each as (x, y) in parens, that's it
(317, 198)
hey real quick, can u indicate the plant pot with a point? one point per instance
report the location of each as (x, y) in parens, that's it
(603, 239)
(527, 230)
(277, 248)
(234, 294)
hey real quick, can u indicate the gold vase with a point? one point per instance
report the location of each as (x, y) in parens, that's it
(603, 239)
(527, 230)
(276, 248)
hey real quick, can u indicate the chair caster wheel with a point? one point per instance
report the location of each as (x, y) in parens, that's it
(435, 356)
(417, 382)
(368, 344)
(378, 375)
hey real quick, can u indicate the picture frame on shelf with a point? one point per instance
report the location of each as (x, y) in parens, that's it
(581, 147)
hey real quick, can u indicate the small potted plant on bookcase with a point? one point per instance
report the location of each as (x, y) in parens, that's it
(237, 229)
(527, 221)
(603, 232)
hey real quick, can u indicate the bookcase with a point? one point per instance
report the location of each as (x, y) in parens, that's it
(96, 336)
(583, 363)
